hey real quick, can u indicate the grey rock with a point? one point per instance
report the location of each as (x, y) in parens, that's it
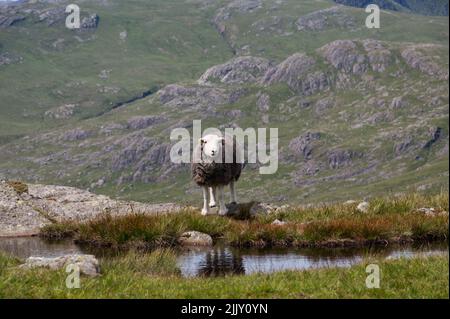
(398, 102)
(263, 102)
(62, 112)
(380, 58)
(320, 20)
(195, 238)
(25, 214)
(323, 105)
(403, 146)
(174, 95)
(298, 73)
(363, 207)
(304, 144)
(7, 58)
(88, 264)
(76, 135)
(344, 55)
(141, 122)
(416, 57)
(244, 69)
(340, 158)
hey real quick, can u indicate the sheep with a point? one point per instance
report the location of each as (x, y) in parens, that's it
(211, 171)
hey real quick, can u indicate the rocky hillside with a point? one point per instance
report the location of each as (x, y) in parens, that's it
(360, 112)
(434, 7)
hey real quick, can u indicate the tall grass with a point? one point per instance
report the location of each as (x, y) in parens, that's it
(388, 219)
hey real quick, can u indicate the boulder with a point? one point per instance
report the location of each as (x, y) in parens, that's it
(363, 207)
(195, 238)
(243, 69)
(87, 264)
(325, 19)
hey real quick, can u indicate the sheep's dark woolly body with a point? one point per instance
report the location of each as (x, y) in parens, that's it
(210, 174)
(215, 174)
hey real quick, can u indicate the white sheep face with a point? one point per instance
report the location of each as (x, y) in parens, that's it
(212, 146)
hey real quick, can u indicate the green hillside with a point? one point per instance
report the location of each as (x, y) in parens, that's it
(360, 111)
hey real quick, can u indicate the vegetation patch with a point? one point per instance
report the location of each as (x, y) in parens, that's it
(19, 187)
(397, 219)
(154, 275)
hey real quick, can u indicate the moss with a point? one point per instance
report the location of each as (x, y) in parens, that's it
(19, 187)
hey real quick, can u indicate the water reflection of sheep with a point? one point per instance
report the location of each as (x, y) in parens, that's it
(220, 261)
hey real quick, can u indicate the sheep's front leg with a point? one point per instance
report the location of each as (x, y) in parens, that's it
(205, 209)
(233, 193)
(212, 197)
(222, 208)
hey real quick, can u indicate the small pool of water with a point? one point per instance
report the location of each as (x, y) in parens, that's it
(221, 260)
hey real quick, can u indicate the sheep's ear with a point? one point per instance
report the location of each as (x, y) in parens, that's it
(201, 141)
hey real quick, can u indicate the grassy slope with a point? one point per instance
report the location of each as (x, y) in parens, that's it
(168, 41)
(140, 64)
(144, 277)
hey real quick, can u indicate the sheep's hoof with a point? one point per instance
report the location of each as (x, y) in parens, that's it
(212, 205)
(233, 203)
(205, 212)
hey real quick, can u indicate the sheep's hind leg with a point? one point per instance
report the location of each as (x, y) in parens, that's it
(222, 208)
(205, 209)
(212, 197)
(233, 193)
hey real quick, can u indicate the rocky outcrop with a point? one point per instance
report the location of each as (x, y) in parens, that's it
(334, 17)
(8, 58)
(25, 213)
(62, 112)
(141, 122)
(179, 96)
(245, 69)
(416, 57)
(380, 58)
(297, 71)
(340, 158)
(87, 264)
(344, 56)
(323, 105)
(76, 135)
(303, 145)
(263, 102)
